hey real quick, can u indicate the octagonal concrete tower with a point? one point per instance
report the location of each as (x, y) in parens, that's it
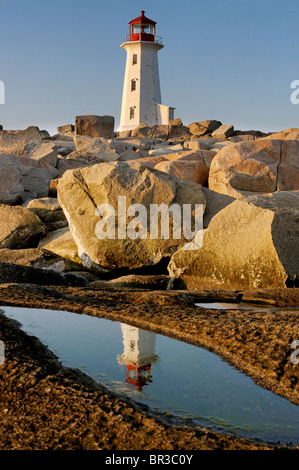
(141, 101)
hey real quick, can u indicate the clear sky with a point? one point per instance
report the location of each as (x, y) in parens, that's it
(230, 60)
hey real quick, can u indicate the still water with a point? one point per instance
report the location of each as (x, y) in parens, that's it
(168, 375)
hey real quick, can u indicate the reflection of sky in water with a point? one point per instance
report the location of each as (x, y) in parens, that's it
(166, 374)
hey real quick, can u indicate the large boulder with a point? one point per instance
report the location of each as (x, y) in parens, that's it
(93, 150)
(19, 227)
(95, 126)
(82, 193)
(22, 178)
(61, 243)
(142, 131)
(36, 258)
(196, 145)
(288, 134)
(11, 188)
(204, 127)
(19, 142)
(215, 202)
(199, 155)
(251, 243)
(29, 145)
(64, 164)
(66, 129)
(45, 152)
(288, 169)
(178, 132)
(196, 171)
(260, 166)
(223, 132)
(49, 211)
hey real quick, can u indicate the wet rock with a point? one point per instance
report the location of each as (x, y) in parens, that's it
(80, 192)
(245, 246)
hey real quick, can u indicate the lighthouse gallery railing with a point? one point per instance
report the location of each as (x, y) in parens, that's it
(157, 39)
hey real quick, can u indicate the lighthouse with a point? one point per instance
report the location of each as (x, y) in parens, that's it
(138, 356)
(141, 100)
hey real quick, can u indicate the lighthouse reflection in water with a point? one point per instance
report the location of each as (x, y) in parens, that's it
(181, 379)
(138, 356)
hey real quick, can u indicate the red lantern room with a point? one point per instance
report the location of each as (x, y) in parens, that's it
(142, 29)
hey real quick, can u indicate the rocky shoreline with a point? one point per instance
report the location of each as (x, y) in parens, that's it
(47, 406)
(53, 255)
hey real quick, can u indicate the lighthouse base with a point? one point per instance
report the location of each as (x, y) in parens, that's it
(164, 114)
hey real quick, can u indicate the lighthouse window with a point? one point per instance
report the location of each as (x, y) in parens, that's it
(134, 59)
(132, 113)
(133, 85)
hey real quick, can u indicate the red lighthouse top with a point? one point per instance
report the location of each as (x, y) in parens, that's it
(142, 29)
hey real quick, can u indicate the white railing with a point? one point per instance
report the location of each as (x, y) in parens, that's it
(157, 39)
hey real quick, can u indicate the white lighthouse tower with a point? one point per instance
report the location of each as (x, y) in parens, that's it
(141, 101)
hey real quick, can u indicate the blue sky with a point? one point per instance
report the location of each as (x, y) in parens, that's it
(228, 60)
